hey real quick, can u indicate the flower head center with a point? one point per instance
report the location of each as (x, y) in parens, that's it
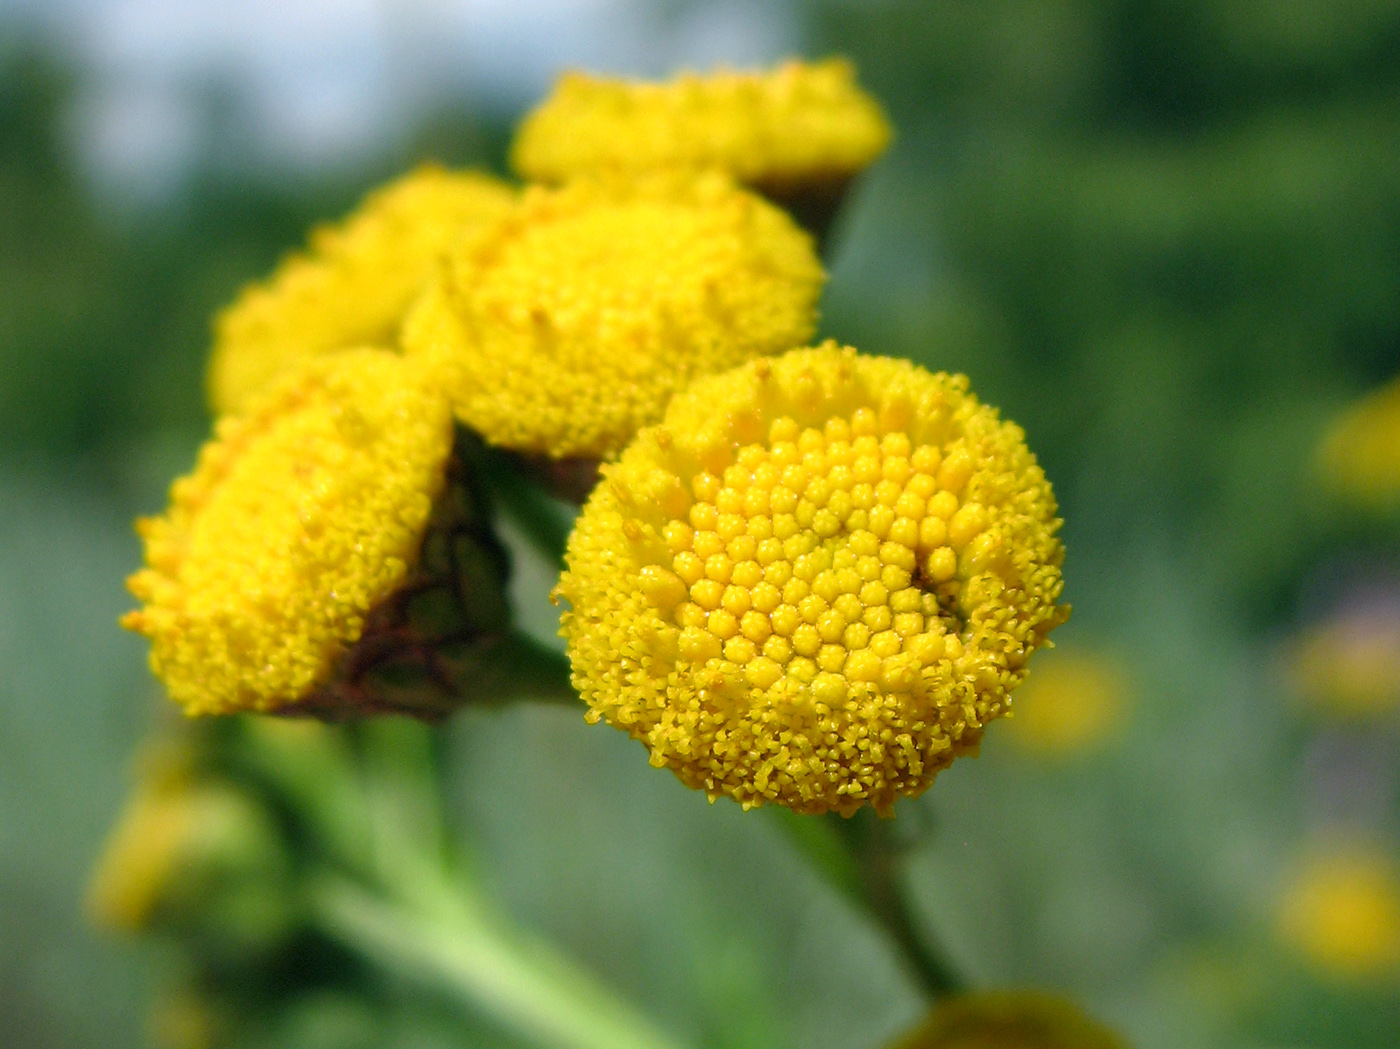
(822, 560)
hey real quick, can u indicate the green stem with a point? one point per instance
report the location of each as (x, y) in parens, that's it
(446, 939)
(878, 858)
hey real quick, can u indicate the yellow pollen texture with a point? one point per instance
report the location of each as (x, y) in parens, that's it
(353, 284)
(800, 122)
(815, 582)
(300, 516)
(566, 327)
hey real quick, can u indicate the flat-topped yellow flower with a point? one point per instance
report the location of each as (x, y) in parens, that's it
(353, 284)
(815, 582)
(568, 325)
(1360, 454)
(794, 125)
(1009, 1020)
(301, 516)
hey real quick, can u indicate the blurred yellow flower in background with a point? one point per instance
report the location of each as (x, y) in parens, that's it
(1076, 700)
(181, 836)
(567, 326)
(815, 582)
(300, 517)
(143, 848)
(1349, 663)
(1340, 910)
(1360, 454)
(786, 130)
(353, 284)
(1009, 1020)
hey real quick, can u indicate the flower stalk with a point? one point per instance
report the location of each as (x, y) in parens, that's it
(448, 940)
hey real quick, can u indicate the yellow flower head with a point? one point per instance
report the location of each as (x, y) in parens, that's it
(353, 285)
(1341, 911)
(799, 123)
(1074, 701)
(1360, 454)
(567, 326)
(815, 582)
(300, 516)
(1009, 1020)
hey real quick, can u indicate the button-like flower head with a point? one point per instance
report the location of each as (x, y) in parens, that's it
(301, 516)
(799, 124)
(567, 326)
(353, 285)
(816, 582)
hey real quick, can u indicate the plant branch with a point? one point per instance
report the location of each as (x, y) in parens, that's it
(877, 857)
(444, 938)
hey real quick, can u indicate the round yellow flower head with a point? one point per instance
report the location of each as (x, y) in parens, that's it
(1074, 701)
(815, 582)
(799, 123)
(1009, 1020)
(353, 285)
(568, 325)
(1341, 911)
(1360, 454)
(301, 516)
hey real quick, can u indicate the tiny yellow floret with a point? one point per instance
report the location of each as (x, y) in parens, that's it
(801, 122)
(301, 515)
(567, 326)
(353, 284)
(812, 660)
(1341, 910)
(1009, 1020)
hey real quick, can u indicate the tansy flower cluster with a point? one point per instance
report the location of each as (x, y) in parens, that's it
(814, 583)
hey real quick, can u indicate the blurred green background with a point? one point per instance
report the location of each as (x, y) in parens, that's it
(1163, 236)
